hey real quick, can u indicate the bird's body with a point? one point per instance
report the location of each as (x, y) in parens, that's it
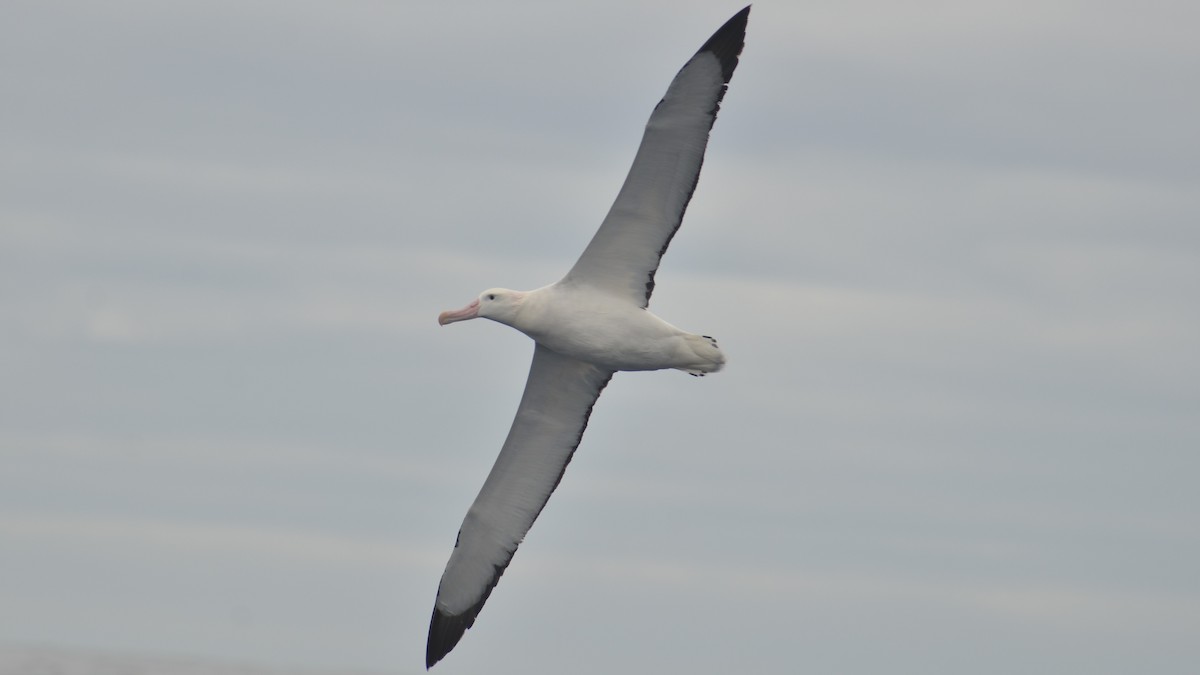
(602, 329)
(590, 324)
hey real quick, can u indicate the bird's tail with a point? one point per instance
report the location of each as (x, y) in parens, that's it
(708, 356)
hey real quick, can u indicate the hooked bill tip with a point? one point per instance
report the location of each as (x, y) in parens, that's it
(468, 312)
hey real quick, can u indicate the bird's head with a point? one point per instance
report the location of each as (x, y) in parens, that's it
(497, 304)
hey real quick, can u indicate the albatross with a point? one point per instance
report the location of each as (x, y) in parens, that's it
(588, 325)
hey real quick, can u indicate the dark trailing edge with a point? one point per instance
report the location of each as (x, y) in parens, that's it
(726, 44)
(445, 630)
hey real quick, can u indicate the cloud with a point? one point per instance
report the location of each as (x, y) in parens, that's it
(288, 545)
(950, 252)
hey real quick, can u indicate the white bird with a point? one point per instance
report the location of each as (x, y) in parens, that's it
(586, 326)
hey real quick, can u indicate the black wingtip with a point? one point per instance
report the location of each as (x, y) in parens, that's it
(728, 41)
(445, 630)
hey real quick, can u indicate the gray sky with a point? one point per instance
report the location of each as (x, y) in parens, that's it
(950, 249)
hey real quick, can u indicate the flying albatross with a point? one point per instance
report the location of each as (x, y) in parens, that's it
(590, 324)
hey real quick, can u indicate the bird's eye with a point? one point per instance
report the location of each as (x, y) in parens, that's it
(491, 296)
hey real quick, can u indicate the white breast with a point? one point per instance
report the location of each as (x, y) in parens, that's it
(598, 328)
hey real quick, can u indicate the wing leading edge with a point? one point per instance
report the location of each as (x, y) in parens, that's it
(621, 258)
(549, 424)
(623, 255)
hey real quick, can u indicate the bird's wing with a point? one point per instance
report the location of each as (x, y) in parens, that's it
(624, 253)
(554, 410)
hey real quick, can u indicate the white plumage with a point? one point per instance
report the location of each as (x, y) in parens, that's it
(586, 326)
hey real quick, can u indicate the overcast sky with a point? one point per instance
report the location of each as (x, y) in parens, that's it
(951, 250)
